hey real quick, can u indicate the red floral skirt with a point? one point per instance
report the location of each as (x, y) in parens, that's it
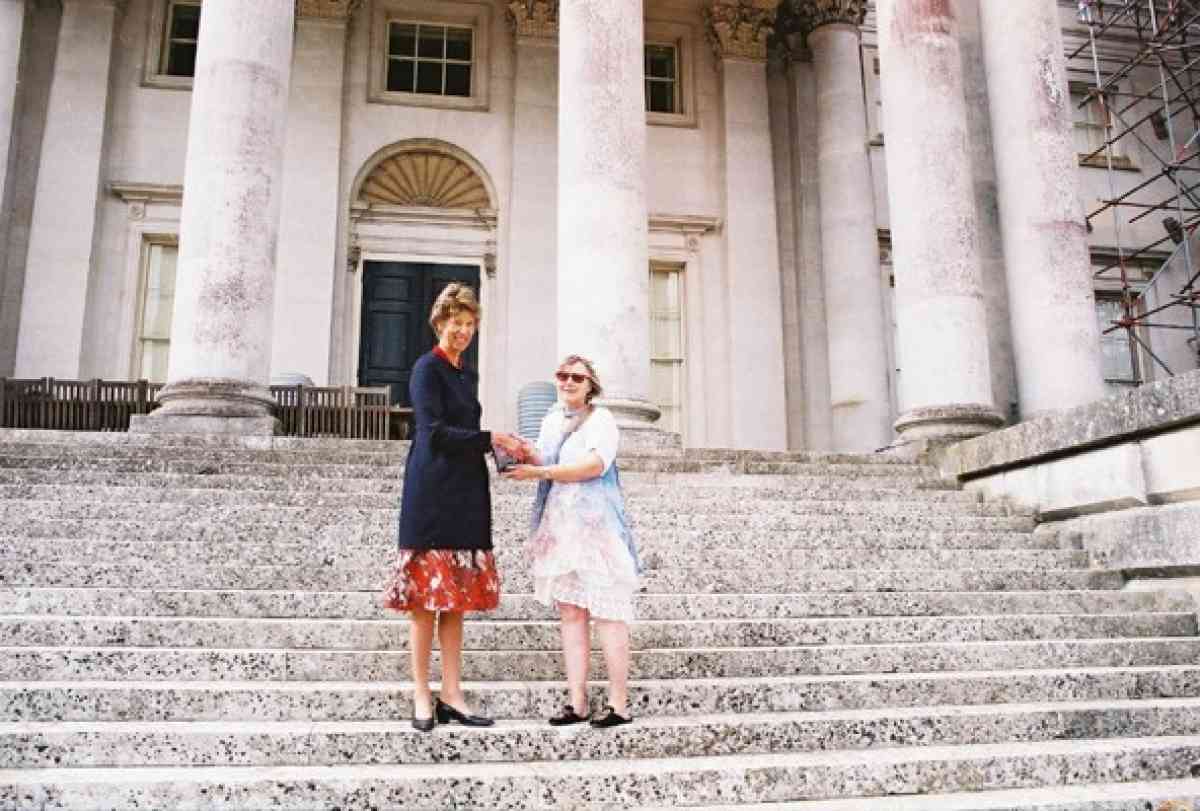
(443, 580)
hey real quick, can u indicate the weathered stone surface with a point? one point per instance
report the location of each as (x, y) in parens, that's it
(1148, 538)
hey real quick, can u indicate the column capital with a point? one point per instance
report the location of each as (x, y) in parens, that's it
(336, 10)
(809, 15)
(535, 19)
(740, 29)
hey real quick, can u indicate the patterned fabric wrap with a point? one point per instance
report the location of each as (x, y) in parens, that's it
(443, 580)
(581, 543)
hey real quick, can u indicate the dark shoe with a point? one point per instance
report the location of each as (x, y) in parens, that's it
(445, 714)
(610, 719)
(568, 716)
(424, 724)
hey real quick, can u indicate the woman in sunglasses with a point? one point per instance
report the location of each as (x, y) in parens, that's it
(445, 565)
(584, 559)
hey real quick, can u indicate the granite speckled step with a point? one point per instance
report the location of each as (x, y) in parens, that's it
(264, 743)
(609, 783)
(366, 605)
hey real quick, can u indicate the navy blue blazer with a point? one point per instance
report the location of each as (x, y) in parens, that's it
(446, 502)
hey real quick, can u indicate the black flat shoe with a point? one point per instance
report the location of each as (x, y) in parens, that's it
(445, 714)
(424, 724)
(568, 716)
(610, 719)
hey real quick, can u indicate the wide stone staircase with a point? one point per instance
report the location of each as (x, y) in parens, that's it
(194, 622)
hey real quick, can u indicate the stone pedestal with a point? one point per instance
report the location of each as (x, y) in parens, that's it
(945, 386)
(858, 367)
(738, 31)
(229, 230)
(1055, 335)
(62, 237)
(603, 262)
(533, 219)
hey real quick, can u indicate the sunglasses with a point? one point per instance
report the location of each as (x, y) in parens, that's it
(563, 377)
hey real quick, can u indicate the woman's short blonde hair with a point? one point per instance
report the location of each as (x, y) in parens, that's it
(596, 389)
(457, 297)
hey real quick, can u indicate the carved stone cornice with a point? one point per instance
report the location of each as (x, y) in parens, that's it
(534, 19)
(335, 10)
(810, 15)
(739, 29)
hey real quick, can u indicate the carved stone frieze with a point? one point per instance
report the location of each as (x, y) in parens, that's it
(326, 9)
(534, 18)
(809, 15)
(740, 29)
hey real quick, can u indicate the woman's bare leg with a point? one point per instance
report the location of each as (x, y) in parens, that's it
(576, 650)
(450, 638)
(614, 641)
(421, 645)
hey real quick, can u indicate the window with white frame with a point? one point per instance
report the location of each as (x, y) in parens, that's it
(662, 78)
(667, 360)
(431, 59)
(155, 305)
(1090, 117)
(1118, 349)
(430, 54)
(180, 38)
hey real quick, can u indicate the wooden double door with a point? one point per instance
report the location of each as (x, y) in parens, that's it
(397, 298)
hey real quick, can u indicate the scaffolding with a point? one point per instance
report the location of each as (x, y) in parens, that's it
(1155, 45)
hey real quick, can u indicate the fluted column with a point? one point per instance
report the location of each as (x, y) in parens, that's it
(858, 373)
(229, 229)
(1054, 330)
(62, 234)
(603, 257)
(531, 278)
(945, 386)
(738, 31)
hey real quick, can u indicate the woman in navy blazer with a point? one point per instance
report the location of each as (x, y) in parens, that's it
(445, 564)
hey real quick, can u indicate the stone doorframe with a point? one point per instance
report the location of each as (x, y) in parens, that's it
(387, 231)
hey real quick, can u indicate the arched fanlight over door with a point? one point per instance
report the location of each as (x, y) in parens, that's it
(424, 177)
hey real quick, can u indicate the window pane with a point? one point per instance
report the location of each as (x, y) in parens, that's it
(458, 80)
(182, 59)
(402, 39)
(400, 75)
(185, 22)
(660, 61)
(429, 77)
(666, 389)
(432, 42)
(661, 98)
(458, 44)
(1116, 347)
(159, 296)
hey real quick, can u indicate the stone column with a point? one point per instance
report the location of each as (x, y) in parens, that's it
(12, 27)
(858, 364)
(738, 31)
(62, 239)
(308, 231)
(945, 385)
(1055, 335)
(229, 229)
(603, 258)
(530, 271)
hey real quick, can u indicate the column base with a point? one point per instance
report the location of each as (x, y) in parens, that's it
(210, 406)
(639, 434)
(950, 423)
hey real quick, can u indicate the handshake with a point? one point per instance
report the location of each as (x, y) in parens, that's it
(510, 450)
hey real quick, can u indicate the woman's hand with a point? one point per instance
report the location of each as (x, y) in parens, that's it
(511, 444)
(523, 473)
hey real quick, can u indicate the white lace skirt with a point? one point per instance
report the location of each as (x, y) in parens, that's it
(579, 555)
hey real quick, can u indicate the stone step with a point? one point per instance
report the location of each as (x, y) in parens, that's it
(709, 580)
(615, 783)
(72, 501)
(677, 514)
(384, 467)
(126, 699)
(543, 635)
(366, 605)
(633, 482)
(394, 456)
(656, 553)
(207, 664)
(40, 745)
(1138, 795)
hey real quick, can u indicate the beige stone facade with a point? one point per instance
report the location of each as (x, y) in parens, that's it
(740, 258)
